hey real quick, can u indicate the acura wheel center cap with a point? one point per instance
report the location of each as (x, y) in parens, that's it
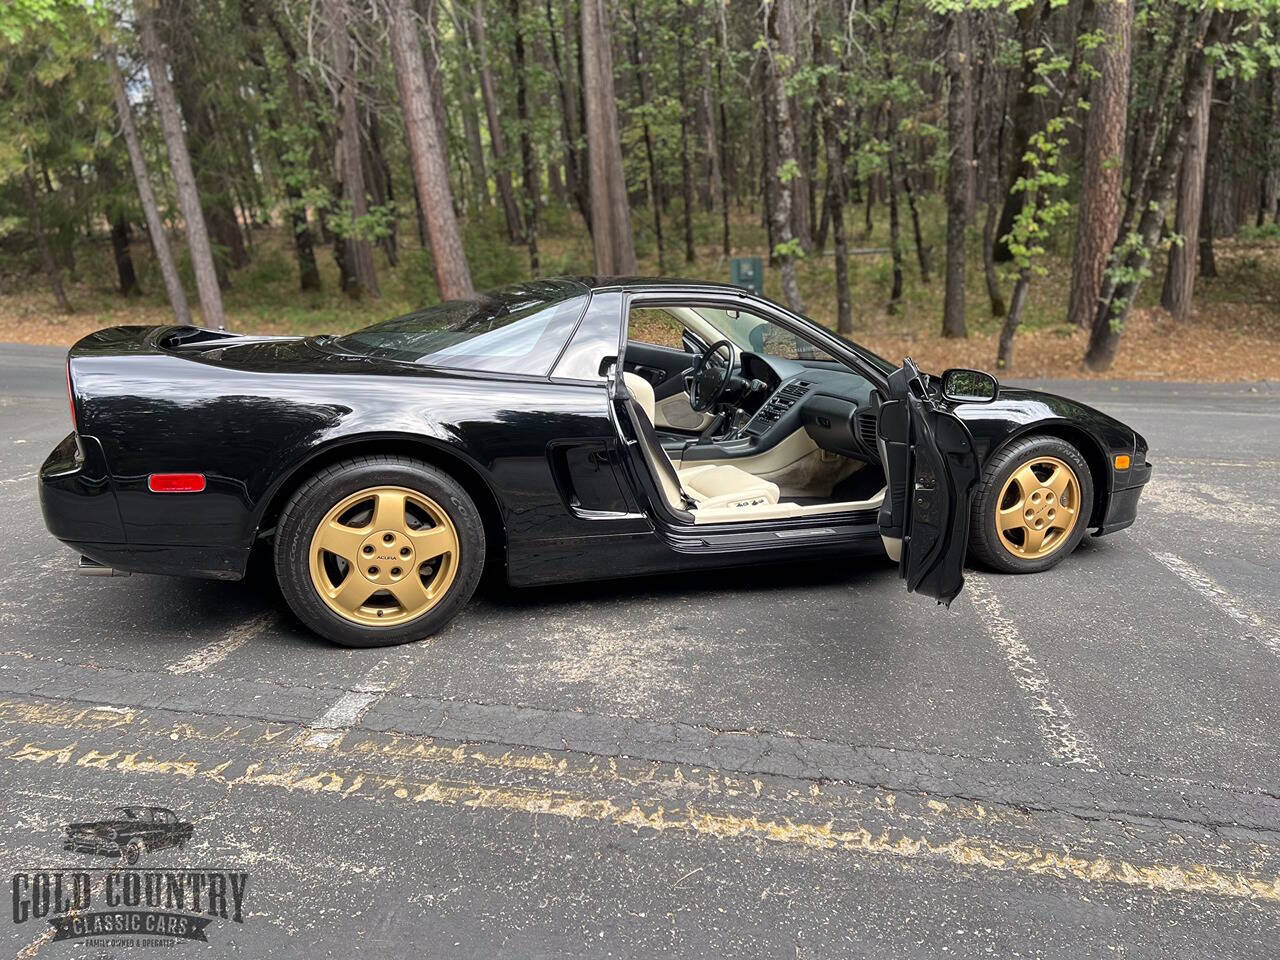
(386, 557)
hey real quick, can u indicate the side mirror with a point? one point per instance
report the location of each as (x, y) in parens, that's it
(969, 386)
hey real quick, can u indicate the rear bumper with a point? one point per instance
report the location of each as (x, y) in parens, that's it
(80, 509)
(76, 496)
(1122, 509)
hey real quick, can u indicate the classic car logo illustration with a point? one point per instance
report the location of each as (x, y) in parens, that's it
(125, 905)
(129, 834)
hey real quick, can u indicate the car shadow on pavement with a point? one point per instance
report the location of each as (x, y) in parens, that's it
(788, 578)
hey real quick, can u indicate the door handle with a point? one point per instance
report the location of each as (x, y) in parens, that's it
(655, 375)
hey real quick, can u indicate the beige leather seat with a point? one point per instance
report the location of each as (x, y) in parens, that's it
(697, 487)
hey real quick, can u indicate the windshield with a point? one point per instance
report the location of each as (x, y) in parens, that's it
(518, 329)
(136, 813)
(874, 359)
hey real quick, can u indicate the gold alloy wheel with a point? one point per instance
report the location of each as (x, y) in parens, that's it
(384, 556)
(1038, 508)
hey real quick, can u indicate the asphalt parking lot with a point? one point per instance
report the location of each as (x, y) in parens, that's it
(801, 762)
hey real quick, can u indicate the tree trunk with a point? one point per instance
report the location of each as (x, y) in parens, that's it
(210, 158)
(712, 186)
(652, 185)
(528, 161)
(1128, 261)
(1017, 304)
(990, 275)
(497, 141)
(1266, 201)
(768, 159)
(1180, 276)
(1213, 174)
(610, 213)
(922, 251)
(568, 116)
(357, 252)
(430, 169)
(1024, 122)
(784, 152)
(686, 167)
(377, 176)
(1103, 177)
(120, 237)
(784, 61)
(47, 261)
(959, 170)
(147, 197)
(301, 93)
(183, 177)
(471, 128)
(726, 245)
(836, 150)
(895, 229)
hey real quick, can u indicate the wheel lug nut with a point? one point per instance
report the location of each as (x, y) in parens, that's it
(395, 571)
(404, 551)
(388, 538)
(368, 548)
(373, 571)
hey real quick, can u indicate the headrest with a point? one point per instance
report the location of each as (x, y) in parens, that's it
(641, 392)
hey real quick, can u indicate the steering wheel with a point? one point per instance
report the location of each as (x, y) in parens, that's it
(710, 374)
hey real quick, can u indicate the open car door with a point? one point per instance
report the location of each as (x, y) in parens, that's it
(932, 471)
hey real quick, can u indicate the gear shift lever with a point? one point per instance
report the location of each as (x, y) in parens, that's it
(711, 428)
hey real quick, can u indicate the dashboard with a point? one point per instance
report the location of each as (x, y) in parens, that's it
(835, 406)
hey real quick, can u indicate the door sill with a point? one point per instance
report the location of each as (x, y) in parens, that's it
(730, 538)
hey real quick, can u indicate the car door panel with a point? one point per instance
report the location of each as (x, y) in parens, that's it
(664, 368)
(933, 470)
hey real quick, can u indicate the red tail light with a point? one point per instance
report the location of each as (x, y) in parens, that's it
(71, 399)
(175, 482)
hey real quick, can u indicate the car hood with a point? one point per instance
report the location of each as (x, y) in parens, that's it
(1039, 404)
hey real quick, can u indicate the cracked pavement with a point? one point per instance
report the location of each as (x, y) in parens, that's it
(799, 762)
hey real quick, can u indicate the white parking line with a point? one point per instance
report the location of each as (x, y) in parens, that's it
(1255, 627)
(1057, 722)
(349, 709)
(201, 660)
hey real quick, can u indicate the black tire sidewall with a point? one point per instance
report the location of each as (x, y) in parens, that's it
(316, 496)
(984, 540)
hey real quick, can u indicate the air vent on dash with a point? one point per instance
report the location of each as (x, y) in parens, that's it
(867, 428)
(796, 389)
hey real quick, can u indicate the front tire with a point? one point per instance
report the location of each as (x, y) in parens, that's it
(1033, 506)
(132, 853)
(379, 550)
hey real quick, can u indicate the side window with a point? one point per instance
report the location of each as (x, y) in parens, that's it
(656, 327)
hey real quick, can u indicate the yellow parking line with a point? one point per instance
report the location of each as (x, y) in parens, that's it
(654, 815)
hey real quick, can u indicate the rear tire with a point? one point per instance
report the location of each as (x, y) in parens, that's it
(1034, 460)
(408, 534)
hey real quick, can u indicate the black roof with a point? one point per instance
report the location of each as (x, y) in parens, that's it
(602, 283)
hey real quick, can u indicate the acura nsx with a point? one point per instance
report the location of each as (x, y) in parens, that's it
(562, 430)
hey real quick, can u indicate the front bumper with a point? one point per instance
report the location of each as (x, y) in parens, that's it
(1122, 509)
(95, 845)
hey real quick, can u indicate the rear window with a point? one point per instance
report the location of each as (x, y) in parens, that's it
(519, 329)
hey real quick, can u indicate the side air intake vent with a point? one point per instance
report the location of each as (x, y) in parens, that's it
(867, 428)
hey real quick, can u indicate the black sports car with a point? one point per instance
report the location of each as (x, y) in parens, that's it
(129, 835)
(566, 429)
